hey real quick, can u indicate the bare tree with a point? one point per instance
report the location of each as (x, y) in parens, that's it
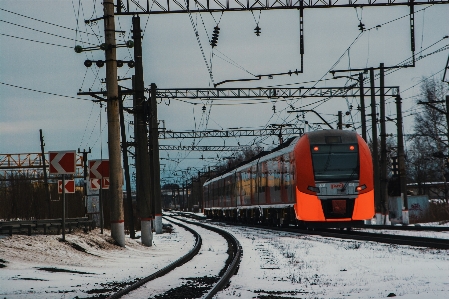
(429, 137)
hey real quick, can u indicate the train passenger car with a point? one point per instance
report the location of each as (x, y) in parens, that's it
(323, 178)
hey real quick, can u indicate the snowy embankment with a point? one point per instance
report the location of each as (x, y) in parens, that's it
(273, 264)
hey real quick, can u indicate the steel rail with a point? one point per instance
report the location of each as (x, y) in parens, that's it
(374, 237)
(232, 267)
(362, 236)
(179, 262)
(407, 227)
(391, 239)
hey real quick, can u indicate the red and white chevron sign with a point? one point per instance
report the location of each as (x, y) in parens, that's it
(98, 169)
(69, 186)
(95, 184)
(63, 162)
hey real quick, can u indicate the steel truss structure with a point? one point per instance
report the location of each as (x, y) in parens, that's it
(232, 133)
(213, 148)
(209, 6)
(30, 165)
(269, 93)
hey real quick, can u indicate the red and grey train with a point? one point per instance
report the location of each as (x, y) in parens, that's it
(323, 178)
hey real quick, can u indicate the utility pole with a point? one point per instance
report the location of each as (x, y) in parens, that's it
(85, 172)
(144, 194)
(375, 148)
(115, 167)
(47, 192)
(383, 147)
(401, 163)
(129, 200)
(156, 164)
(362, 106)
(447, 156)
(340, 121)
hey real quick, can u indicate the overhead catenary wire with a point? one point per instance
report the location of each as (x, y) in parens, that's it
(40, 31)
(45, 22)
(36, 41)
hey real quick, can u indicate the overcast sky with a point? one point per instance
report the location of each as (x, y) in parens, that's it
(40, 73)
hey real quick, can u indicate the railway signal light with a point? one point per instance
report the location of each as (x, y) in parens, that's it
(257, 30)
(395, 165)
(214, 40)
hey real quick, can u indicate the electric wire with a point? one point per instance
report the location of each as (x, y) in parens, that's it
(45, 22)
(40, 31)
(44, 92)
(36, 41)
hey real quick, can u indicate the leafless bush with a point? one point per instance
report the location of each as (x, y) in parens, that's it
(437, 212)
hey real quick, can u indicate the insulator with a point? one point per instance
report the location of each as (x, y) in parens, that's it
(214, 40)
(88, 63)
(131, 64)
(204, 108)
(257, 30)
(78, 49)
(361, 26)
(119, 63)
(99, 63)
(130, 44)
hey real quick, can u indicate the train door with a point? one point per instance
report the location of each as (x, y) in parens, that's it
(238, 187)
(283, 165)
(292, 177)
(273, 181)
(246, 183)
(206, 198)
(262, 183)
(253, 174)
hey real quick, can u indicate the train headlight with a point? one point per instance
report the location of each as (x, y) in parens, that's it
(313, 189)
(361, 187)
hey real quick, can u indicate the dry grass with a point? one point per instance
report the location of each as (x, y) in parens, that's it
(437, 212)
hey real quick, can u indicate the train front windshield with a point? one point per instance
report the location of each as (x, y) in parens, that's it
(335, 162)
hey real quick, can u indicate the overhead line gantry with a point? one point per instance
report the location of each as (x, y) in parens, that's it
(194, 6)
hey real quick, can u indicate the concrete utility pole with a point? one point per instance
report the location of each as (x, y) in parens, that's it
(401, 163)
(115, 167)
(129, 201)
(156, 164)
(340, 121)
(144, 194)
(375, 149)
(362, 106)
(47, 192)
(85, 174)
(383, 149)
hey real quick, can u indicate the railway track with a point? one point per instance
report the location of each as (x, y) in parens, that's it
(436, 243)
(205, 287)
(382, 238)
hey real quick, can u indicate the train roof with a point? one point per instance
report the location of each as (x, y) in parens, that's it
(317, 137)
(332, 136)
(262, 156)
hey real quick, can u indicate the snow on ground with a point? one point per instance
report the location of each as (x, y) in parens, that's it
(273, 263)
(25, 257)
